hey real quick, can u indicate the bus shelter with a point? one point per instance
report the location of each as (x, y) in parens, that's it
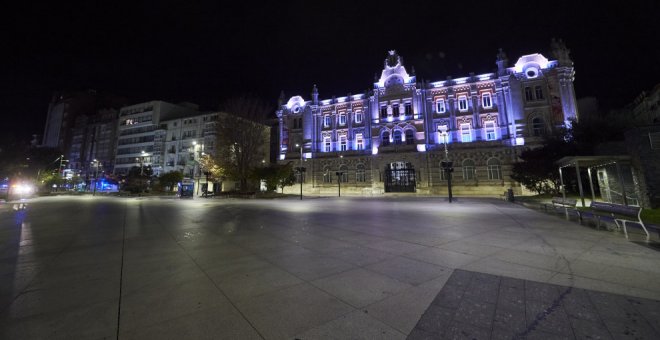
(613, 173)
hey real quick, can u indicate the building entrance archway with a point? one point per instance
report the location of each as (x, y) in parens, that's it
(400, 177)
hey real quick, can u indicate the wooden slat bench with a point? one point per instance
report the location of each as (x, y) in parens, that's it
(564, 203)
(621, 214)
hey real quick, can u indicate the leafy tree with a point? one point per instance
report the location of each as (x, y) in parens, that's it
(170, 179)
(210, 167)
(137, 179)
(275, 176)
(243, 137)
(537, 170)
(286, 176)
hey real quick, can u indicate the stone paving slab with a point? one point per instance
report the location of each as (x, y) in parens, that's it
(475, 305)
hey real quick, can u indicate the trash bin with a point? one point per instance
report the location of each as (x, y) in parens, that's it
(509, 195)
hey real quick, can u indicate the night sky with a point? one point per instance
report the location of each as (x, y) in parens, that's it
(206, 52)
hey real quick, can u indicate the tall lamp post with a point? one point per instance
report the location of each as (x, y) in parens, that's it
(96, 175)
(339, 174)
(301, 170)
(447, 165)
(142, 156)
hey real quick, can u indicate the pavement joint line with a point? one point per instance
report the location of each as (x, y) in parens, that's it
(121, 270)
(209, 278)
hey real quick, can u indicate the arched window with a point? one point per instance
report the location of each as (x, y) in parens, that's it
(538, 127)
(397, 137)
(494, 169)
(385, 138)
(468, 169)
(360, 174)
(344, 173)
(327, 176)
(410, 137)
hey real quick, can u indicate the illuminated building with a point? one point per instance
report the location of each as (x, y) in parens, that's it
(392, 138)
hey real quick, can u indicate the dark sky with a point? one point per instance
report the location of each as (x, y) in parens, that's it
(208, 51)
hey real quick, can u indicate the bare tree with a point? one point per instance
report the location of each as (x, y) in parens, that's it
(242, 138)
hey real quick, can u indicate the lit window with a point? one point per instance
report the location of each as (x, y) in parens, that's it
(358, 117)
(410, 137)
(462, 103)
(528, 94)
(383, 111)
(385, 139)
(344, 173)
(327, 144)
(359, 141)
(539, 92)
(440, 106)
(408, 109)
(342, 119)
(486, 101)
(466, 134)
(443, 136)
(397, 137)
(342, 143)
(360, 174)
(326, 120)
(327, 178)
(538, 126)
(494, 170)
(468, 169)
(395, 110)
(489, 127)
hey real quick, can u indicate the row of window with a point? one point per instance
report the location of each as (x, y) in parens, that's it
(396, 110)
(469, 171)
(398, 138)
(343, 143)
(342, 119)
(486, 103)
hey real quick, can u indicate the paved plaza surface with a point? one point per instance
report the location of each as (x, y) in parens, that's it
(321, 268)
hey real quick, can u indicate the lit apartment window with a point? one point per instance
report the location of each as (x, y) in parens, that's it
(342, 119)
(539, 92)
(326, 121)
(466, 134)
(359, 141)
(383, 111)
(486, 101)
(408, 109)
(489, 127)
(494, 169)
(468, 169)
(342, 143)
(358, 117)
(462, 103)
(528, 94)
(440, 106)
(327, 146)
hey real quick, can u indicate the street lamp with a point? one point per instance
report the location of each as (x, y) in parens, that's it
(447, 165)
(339, 174)
(96, 175)
(301, 169)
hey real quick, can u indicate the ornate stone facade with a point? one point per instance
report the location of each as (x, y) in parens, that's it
(480, 122)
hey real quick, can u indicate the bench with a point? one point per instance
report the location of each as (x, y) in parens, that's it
(207, 194)
(565, 203)
(621, 214)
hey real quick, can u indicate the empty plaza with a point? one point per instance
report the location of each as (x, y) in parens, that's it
(321, 268)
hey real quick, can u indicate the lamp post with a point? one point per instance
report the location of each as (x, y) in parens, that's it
(301, 169)
(96, 175)
(339, 174)
(447, 165)
(142, 156)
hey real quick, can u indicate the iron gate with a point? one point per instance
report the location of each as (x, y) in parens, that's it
(399, 177)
